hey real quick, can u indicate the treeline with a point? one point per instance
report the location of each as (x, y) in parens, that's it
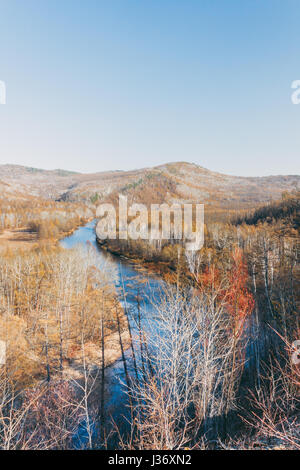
(51, 302)
(62, 324)
(48, 218)
(287, 211)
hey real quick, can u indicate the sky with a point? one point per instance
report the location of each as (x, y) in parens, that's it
(123, 84)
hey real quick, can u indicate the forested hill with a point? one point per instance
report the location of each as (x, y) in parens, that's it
(287, 211)
(172, 182)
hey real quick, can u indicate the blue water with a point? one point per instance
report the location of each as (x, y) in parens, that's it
(133, 281)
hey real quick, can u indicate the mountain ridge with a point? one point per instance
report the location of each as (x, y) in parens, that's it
(64, 172)
(169, 182)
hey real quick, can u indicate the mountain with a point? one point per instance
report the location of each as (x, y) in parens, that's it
(181, 181)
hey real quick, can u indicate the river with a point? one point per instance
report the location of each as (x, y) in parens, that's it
(135, 282)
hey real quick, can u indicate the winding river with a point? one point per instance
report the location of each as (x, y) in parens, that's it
(135, 282)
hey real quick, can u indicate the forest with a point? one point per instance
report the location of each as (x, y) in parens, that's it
(217, 368)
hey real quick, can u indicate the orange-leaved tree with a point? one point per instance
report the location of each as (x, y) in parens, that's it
(230, 289)
(239, 300)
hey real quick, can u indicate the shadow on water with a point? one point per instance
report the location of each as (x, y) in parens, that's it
(135, 283)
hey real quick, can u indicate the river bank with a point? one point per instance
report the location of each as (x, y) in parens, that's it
(167, 270)
(15, 239)
(138, 293)
(73, 367)
(24, 239)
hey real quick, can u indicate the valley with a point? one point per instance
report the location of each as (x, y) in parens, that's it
(114, 345)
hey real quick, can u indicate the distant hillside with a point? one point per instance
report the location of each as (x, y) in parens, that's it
(184, 182)
(287, 211)
(27, 181)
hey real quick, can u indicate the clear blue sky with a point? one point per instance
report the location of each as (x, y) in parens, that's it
(118, 84)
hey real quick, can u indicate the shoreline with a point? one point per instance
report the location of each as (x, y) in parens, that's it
(157, 268)
(113, 352)
(22, 238)
(76, 227)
